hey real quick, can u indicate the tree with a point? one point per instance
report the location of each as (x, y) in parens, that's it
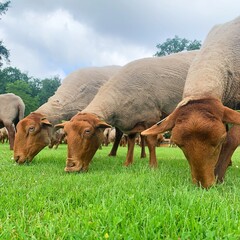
(23, 90)
(33, 91)
(35, 85)
(11, 75)
(4, 52)
(4, 7)
(176, 44)
(48, 88)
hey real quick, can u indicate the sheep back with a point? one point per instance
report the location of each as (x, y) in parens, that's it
(75, 92)
(142, 91)
(215, 72)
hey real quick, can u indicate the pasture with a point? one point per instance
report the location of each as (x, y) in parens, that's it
(41, 201)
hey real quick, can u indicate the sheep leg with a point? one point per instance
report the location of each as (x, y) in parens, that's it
(11, 134)
(143, 152)
(130, 151)
(151, 143)
(117, 140)
(228, 148)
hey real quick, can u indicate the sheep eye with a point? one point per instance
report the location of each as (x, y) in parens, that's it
(31, 129)
(87, 131)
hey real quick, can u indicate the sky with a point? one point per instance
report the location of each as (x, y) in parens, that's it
(48, 38)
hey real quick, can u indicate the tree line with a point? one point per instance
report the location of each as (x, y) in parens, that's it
(33, 91)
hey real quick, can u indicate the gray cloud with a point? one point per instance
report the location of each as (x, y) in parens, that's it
(53, 37)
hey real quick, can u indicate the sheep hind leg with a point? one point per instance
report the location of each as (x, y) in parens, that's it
(151, 143)
(130, 151)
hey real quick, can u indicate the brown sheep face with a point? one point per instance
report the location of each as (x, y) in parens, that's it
(33, 134)
(200, 137)
(84, 133)
(198, 129)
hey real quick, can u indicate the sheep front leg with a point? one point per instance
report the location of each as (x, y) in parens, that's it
(118, 137)
(228, 148)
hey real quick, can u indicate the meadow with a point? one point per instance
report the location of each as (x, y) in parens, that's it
(40, 201)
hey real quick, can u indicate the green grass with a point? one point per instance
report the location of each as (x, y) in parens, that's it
(41, 201)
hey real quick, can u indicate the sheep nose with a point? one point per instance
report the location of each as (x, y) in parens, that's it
(16, 158)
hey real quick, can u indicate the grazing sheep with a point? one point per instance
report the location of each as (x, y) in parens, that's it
(109, 136)
(76, 92)
(59, 138)
(123, 142)
(35, 131)
(132, 100)
(198, 123)
(3, 135)
(11, 112)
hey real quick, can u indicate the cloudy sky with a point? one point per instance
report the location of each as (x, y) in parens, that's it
(55, 37)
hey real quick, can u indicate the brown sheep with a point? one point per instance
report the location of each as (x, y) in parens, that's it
(198, 123)
(130, 101)
(36, 131)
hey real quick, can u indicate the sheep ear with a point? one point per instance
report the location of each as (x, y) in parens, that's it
(164, 125)
(103, 124)
(231, 116)
(60, 125)
(45, 121)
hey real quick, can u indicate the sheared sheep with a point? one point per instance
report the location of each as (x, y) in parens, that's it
(11, 112)
(142, 92)
(198, 123)
(35, 131)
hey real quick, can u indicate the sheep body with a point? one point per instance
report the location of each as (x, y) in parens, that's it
(76, 92)
(211, 90)
(11, 112)
(215, 72)
(142, 91)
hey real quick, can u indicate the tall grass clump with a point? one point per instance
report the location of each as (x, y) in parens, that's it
(40, 201)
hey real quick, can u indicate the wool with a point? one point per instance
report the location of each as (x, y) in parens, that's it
(76, 92)
(215, 72)
(142, 91)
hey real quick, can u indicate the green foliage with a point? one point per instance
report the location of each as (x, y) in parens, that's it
(41, 201)
(11, 75)
(4, 52)
(167, 134)
(48, 88)
(33, 91)
(176, 44)
(4, 7)
(23, 90)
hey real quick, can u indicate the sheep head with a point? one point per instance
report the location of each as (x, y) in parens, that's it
(198, 128)
(84, 133)
(34, 132)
